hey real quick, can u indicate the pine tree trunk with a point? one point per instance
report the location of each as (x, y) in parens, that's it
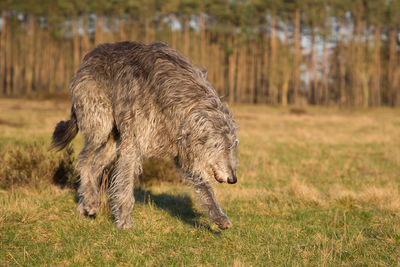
(376, 82)
(325, 73)
(85, 41)
(392, 66)
(9, 45)
(220, 55)
(51, 68)
(3, 52)
(16, 80)
(258, 69)
(297, 56)
(75, 45)
(240, 75)
(272, 91)
(341, 69)
(396, 82)
(202, 40)
(265, 70)
(251, 76)
(38, 57)
(316, 87)
(285, 88)
(357, 72)
(312, 90)
(217, 73)
(30, 56)
(99, 30)
(60, 75)
(232, 69)
(186, 41)
(173, 34)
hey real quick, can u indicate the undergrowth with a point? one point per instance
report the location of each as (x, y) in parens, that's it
(29, 164)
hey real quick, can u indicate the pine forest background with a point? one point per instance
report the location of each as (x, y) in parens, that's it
(278, 52)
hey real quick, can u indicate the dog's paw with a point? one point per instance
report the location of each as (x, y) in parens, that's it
(223, 222)
(124, 223)
(87, 211)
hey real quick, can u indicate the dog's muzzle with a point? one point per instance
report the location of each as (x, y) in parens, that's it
(232, 180)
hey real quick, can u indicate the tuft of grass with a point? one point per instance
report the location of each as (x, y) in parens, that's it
(297, 111)
(32, 164)
(159, 170)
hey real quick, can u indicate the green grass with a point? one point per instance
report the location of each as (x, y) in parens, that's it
(320, 188)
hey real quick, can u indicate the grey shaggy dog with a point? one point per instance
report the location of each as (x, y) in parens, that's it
(132, 101)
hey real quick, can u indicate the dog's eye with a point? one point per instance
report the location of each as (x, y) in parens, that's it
(236, 142)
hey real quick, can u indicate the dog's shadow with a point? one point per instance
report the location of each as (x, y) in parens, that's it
(179, 206)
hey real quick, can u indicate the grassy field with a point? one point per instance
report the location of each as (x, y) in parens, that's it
(317, 188)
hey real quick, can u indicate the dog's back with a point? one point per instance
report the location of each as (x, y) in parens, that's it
(152, 86)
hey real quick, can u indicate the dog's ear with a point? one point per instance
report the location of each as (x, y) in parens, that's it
(204, 72)
(196, 125)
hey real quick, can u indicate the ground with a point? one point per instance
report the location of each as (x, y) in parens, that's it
(316, 186)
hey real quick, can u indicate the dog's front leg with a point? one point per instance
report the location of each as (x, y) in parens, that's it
(205, 193)
(127, 168)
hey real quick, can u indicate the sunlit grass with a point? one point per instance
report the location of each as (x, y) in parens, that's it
(315, 188)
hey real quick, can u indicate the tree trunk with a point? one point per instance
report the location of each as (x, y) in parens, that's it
(186, 42)
(75, 45)
(312, 91)
(240, 75)
(265, 70)
(51, 68)
(99, 30)
(392, 66)
(258, 69)
(38, 57)
(252, 76)
(285, 87)
(173, 33)
(396, 81)
(272, 65)
(357, 72)
(3, 52)
(232, 69)
(376, 82)
(9, 45)
(315, 82)
(297, 55)
(202, 40)
(325, 72)
(342, 69)
(17, 79)
(85, 41)
(31, 54)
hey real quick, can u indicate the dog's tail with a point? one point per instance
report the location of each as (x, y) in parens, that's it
(64, 132)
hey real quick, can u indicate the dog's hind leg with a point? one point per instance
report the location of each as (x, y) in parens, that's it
(95, 121)
(205, 194)
(127, 168)
(89, 192)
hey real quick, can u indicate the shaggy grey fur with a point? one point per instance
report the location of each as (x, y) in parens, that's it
(132, 101)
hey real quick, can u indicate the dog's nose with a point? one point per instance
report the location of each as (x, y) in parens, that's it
(232, 180)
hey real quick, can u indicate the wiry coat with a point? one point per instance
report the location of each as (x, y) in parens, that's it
(132, 101)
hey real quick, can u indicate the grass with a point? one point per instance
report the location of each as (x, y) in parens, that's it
(316, 187)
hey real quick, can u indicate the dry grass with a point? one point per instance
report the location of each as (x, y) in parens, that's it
(32, 164)
(317, 189)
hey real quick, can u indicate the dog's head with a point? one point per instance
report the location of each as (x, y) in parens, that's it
(211, 144)
(223, 163)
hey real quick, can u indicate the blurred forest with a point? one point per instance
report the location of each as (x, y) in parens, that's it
(278, 52)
